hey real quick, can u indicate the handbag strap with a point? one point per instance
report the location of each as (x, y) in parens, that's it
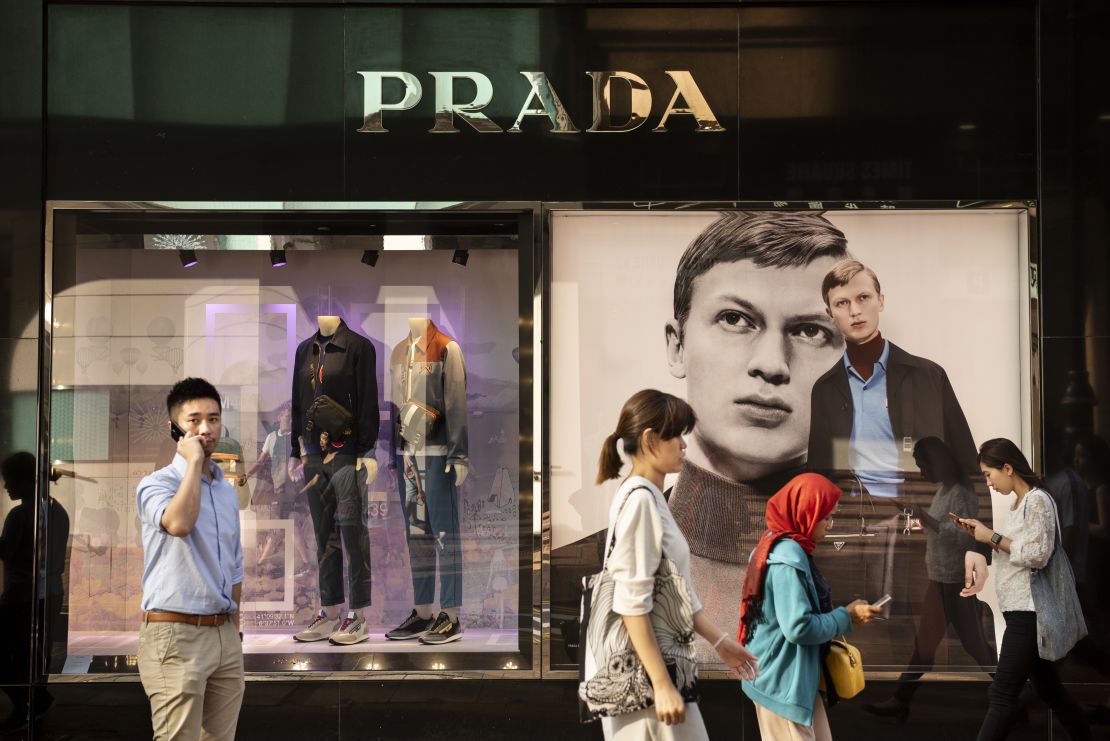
(1055, 516)
(616, 521)
(312, 363)
(408, 369)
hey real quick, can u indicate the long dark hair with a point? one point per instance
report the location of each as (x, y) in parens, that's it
(998, 452)
(668, 415)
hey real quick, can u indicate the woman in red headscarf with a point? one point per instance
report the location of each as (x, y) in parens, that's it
(786, 612)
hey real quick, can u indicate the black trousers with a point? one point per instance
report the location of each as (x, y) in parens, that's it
(942, 606)
(336, 495)
(15, 647)
(1017, 662)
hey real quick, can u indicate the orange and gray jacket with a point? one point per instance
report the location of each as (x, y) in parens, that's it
(433, 374)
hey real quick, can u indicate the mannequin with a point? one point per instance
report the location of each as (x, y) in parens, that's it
(428, 381)
(418, 325)
(335, 429)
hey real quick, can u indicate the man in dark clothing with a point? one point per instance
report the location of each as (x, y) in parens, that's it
(19, 597)
(874, 405)
(873, 434)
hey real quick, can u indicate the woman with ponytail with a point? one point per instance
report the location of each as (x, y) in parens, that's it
(650, 431)
(786, 612)
(1027, 545)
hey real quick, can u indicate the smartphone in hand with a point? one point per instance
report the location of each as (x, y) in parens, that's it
(955, 518)
(882, 602)
(175, 431)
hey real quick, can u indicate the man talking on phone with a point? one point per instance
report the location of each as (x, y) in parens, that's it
(190, 648)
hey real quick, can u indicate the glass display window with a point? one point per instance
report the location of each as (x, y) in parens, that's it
(410, 324)
(725, 308)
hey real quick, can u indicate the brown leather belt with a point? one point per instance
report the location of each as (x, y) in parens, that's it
(180, 617)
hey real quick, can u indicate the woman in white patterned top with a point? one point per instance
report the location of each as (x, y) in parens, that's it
(1026, 545)
(650, 430)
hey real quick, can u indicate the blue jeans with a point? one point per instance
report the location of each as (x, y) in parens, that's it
(442, 544)
(1017, 662)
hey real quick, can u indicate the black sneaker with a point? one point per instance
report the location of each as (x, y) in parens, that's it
(413, 626)
(443, 630)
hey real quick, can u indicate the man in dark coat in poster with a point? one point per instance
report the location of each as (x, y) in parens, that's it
(875, 437)
(872, 408)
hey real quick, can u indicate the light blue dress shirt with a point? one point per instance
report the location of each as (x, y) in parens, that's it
(193, 574)
(874, 451)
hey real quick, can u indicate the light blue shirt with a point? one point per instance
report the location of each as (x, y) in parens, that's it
(874, 451)
(193, 574)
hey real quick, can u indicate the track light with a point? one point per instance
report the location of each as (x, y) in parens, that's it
(277, 258)
(460, 257)
(370, 257)
(188, 258)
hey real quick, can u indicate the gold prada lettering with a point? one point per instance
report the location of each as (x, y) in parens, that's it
(686, 99)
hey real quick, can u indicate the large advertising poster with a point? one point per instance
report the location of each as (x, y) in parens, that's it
(725, 309)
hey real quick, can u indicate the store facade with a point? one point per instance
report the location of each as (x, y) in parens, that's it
(200, 186)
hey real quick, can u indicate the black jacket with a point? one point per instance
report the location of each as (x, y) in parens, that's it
(921, 403)
(349, 376)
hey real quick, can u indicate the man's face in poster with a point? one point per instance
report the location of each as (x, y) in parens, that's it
(855, 307)
(754, 342)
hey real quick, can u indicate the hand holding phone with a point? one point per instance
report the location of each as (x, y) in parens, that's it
(881, 605)
(955, 518)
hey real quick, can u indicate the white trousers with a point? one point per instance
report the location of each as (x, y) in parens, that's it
(644, 726)
(774, 727)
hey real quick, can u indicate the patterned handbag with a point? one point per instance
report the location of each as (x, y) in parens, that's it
(620, 685)
(1060, 623)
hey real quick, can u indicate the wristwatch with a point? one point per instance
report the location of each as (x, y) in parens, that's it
(996, 539)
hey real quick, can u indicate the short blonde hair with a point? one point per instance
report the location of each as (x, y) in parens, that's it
(842, 273)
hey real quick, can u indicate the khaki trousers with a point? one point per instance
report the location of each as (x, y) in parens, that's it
(773, 727)
(193, 677)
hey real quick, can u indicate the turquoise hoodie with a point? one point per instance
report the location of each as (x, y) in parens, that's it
(788, 639)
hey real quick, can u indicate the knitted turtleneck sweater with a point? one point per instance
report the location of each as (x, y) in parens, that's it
(721, 520)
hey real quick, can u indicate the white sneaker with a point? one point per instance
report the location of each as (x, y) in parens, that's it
(320, 628)
(351, 631)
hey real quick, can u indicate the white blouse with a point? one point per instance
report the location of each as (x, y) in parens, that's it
(1031, 529)
(646, 530)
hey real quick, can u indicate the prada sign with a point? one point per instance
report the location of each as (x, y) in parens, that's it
(686, 100)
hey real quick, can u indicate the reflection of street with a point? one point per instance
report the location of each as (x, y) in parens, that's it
(859, 573)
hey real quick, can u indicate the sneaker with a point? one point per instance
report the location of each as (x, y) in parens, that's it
(413, 626)
(320, 628)
(351, 631)
(443, 630)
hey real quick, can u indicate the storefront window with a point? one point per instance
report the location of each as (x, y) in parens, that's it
(725, 309)
(142, 300)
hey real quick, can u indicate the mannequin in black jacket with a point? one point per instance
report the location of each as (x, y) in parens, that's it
(338, 465)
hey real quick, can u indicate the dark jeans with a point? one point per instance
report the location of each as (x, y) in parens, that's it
(941, 606)
(442, 544)
(337, 502)
(1017, 662)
